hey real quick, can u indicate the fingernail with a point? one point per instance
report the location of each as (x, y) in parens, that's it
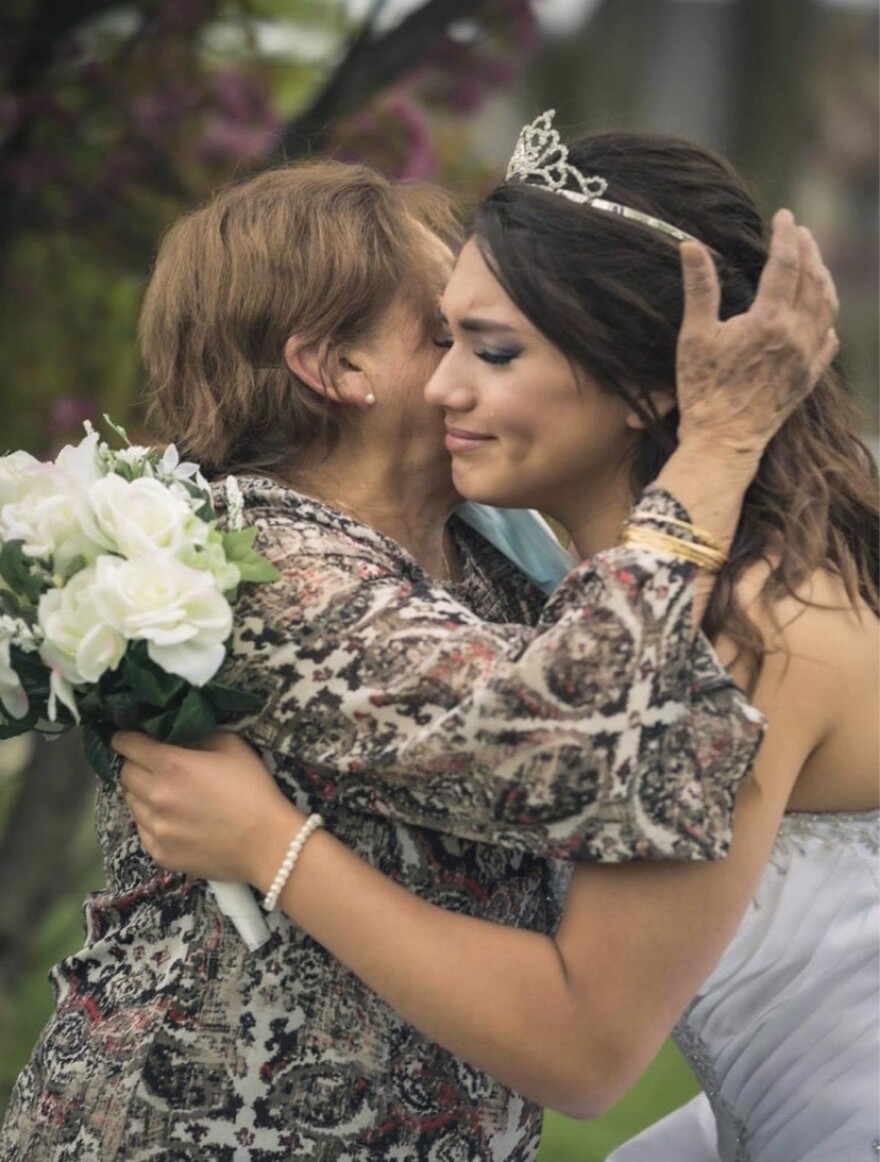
(691, 253)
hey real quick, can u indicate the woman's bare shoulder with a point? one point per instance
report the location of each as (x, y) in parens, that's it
(818, 606)
(820, 684)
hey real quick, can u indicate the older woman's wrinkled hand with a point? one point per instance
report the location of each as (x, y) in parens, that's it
(739, 380)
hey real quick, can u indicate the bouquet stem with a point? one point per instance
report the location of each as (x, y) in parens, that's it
(237, 902)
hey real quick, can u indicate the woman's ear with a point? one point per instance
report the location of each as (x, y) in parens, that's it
(348, 385)
(662, 402)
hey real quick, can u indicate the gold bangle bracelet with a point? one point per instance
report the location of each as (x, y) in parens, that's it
(700, 555)
(699, 535)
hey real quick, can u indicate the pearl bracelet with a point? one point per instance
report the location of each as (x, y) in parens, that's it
(296, 845)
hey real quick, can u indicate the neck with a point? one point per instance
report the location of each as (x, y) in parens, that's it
(594, 514)
(407, 498)
(597, 528)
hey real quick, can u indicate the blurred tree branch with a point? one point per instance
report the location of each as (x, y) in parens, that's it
(37, 31)
(372, 62)
(33, 33)
(83, 128)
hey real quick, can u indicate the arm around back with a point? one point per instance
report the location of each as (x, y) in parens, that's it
(569, 1020)
(605, 732)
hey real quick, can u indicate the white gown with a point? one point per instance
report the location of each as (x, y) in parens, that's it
(783, 1035)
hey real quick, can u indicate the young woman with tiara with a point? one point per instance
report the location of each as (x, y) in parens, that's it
(561, 330)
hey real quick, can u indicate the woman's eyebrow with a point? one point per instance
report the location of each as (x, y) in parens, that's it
(480, 326)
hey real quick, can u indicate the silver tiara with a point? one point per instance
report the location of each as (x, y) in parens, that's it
(541, 159)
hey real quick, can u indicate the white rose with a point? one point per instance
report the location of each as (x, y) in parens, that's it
(21, 476)
(177, 610)
(139, 518)
(50, 528)
(12, 695)
(80, 462)
(24, 478)
(78, 643)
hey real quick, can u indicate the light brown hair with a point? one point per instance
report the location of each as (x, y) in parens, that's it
(319, 250)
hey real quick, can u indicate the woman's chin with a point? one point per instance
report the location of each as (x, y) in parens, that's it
(470, 487)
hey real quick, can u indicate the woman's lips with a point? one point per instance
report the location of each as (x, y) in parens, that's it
(461, 440)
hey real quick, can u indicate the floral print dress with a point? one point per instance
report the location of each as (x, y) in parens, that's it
(464, 740)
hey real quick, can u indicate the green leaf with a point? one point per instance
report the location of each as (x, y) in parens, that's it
(190, 722)
(12, 727)
(32, 671)
(228, 701)
(150, 683)
(239, 543)
(91, 704)
(9, 603)
(253, 566)
(195, 719)
(205, 510)
(118, 429)
(258, 569)
(98, 752)
(15, 569)
(123, 708)
(137, 652)
(160, 725)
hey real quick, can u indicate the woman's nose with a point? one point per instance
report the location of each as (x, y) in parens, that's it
(448, 388)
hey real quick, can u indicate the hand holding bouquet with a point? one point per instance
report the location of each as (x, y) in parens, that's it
(116, 594)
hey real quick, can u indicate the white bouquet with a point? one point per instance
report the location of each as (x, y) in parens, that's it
(116, 594)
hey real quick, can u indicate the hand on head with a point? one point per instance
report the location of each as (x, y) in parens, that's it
(739, 380)
(209, 811)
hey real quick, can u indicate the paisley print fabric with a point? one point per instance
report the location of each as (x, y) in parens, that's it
(461, 740)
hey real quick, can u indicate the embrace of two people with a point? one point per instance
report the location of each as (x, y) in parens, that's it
(516, 815)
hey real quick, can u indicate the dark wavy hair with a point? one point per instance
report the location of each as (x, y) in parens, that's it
(608, 292)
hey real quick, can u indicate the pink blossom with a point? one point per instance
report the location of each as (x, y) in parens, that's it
(31, 174)
(183, 14)
(520, 25)
(10, 112)
(395, 136)
(225, 141)
(421, 158)
(157, 114)
(70, 412)
(241, 124)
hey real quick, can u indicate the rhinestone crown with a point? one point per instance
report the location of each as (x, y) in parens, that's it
(541, 159)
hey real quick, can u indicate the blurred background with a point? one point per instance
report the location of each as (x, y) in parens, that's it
(115, 117)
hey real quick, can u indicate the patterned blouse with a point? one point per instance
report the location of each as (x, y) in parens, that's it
(462, 740)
